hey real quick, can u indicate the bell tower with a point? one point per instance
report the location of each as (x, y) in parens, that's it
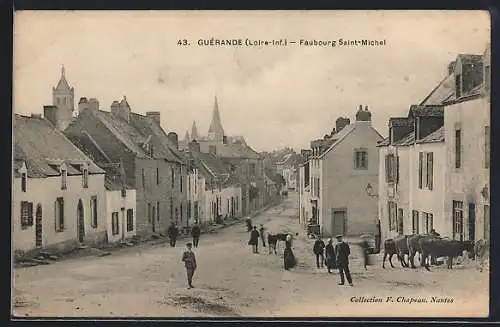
(63, 96)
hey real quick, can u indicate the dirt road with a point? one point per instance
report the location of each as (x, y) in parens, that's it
(231, 281)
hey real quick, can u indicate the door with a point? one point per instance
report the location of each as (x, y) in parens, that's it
(472, 221)
(339, 222)
(153, 217)
(81, 221)
(123, 225)
(38, 225)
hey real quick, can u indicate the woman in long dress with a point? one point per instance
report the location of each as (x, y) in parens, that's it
(330, 256)
(288, 256)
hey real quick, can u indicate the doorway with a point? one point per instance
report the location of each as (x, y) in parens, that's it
(81, 221)
(38, 226)
(153, 214)
(339, 221)
(472, 221)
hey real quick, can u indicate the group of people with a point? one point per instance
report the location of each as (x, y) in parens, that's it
(173, 232)
(289, 260)
(188, 256)
(334, 257)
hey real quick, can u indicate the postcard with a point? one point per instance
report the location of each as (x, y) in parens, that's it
(177, 164)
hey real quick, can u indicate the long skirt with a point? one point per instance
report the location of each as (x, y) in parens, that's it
(289, 259)
(330, 262)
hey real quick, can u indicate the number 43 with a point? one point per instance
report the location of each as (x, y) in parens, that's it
(182, 42)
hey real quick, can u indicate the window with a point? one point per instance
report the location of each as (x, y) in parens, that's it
(458, 86)
(26, 214)
(415, 222)
(486, 214)
(130, 220)
(458, 148)
(172, 176)
(195, 209)
(158, 211)
(428, 221)
(420, 169)
(189, 209)
(189, 183)
(176, 215)
(93, 211)
(458, 218)
(85, 178)
(181, 180)
(150, 213)
(181, 212)
(195, 185)
(252, 169)
(228, 206)
(429, 170)
(24, 180)
(392, 210)
(64, 177)
(361, 159)
(487, 147)
(64, 100)
(59, 213)
(115, 227)
(400, 220)
(391, 168)
(157, 176)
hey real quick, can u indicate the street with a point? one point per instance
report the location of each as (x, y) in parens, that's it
(232, 281)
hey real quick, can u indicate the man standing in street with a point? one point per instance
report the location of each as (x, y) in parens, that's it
(261, 232)
(318, 250)
(254, 240)
(342, 252)
(172, 232)
(190, 263)
(195, 232)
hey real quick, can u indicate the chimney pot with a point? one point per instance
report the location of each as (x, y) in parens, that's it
(155, 116)
(360, 107)
(366, 108)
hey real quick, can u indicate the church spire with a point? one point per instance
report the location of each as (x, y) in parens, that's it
(63, 83)
(216, 132)
(194, 131)
(186, 137)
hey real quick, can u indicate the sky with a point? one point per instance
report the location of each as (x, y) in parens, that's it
(274, 96)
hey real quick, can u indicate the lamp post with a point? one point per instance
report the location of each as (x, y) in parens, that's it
(369, 191)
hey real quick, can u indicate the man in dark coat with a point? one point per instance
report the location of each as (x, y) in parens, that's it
(254, 240)
(172, 232)
(289, 260)
(364, 248)
(342, 252)
(318, 250)
(189, 260)
(195, 232)
(330, 256)
(261, 232)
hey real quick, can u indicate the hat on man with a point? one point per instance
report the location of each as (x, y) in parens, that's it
(339, 236)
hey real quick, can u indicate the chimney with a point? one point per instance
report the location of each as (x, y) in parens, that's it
(83, 105)
(194, 146)
(340, 123)
(363, 115)
(121, 109)
(174, 139)
(451, 67)
(360, 107)
(50, 113)
(154, 115)
(93, 104)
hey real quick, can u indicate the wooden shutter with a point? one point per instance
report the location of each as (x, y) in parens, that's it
(430, 165)
(30, 213)
(387, 170)
(397, 169)
(61, 213)
(420, 163)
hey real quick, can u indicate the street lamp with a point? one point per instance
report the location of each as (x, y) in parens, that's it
(369, 190)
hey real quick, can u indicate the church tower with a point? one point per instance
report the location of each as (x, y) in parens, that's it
(63, 96)
(60, 113)
(194, 132)
(216, 132)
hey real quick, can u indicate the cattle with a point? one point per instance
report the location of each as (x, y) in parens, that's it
(481, 251)
(438, 247)
(273, 239)
(413, 243)
(395, 246)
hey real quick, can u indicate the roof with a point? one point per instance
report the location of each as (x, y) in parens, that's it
(442, 92)
(435, 137)
(399, 121)
(212, 166)
(340, 136)
(43, 147)
(426, 111)
(138, 130)
(384, 142)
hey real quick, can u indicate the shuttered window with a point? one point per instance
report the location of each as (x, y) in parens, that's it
(93, 211)
(130, 220)
(26, 214)
(458, 148)
(415, 222)
(59, 214)
(420, 168)
(429, 172)
(115, 227)
(392, 210)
